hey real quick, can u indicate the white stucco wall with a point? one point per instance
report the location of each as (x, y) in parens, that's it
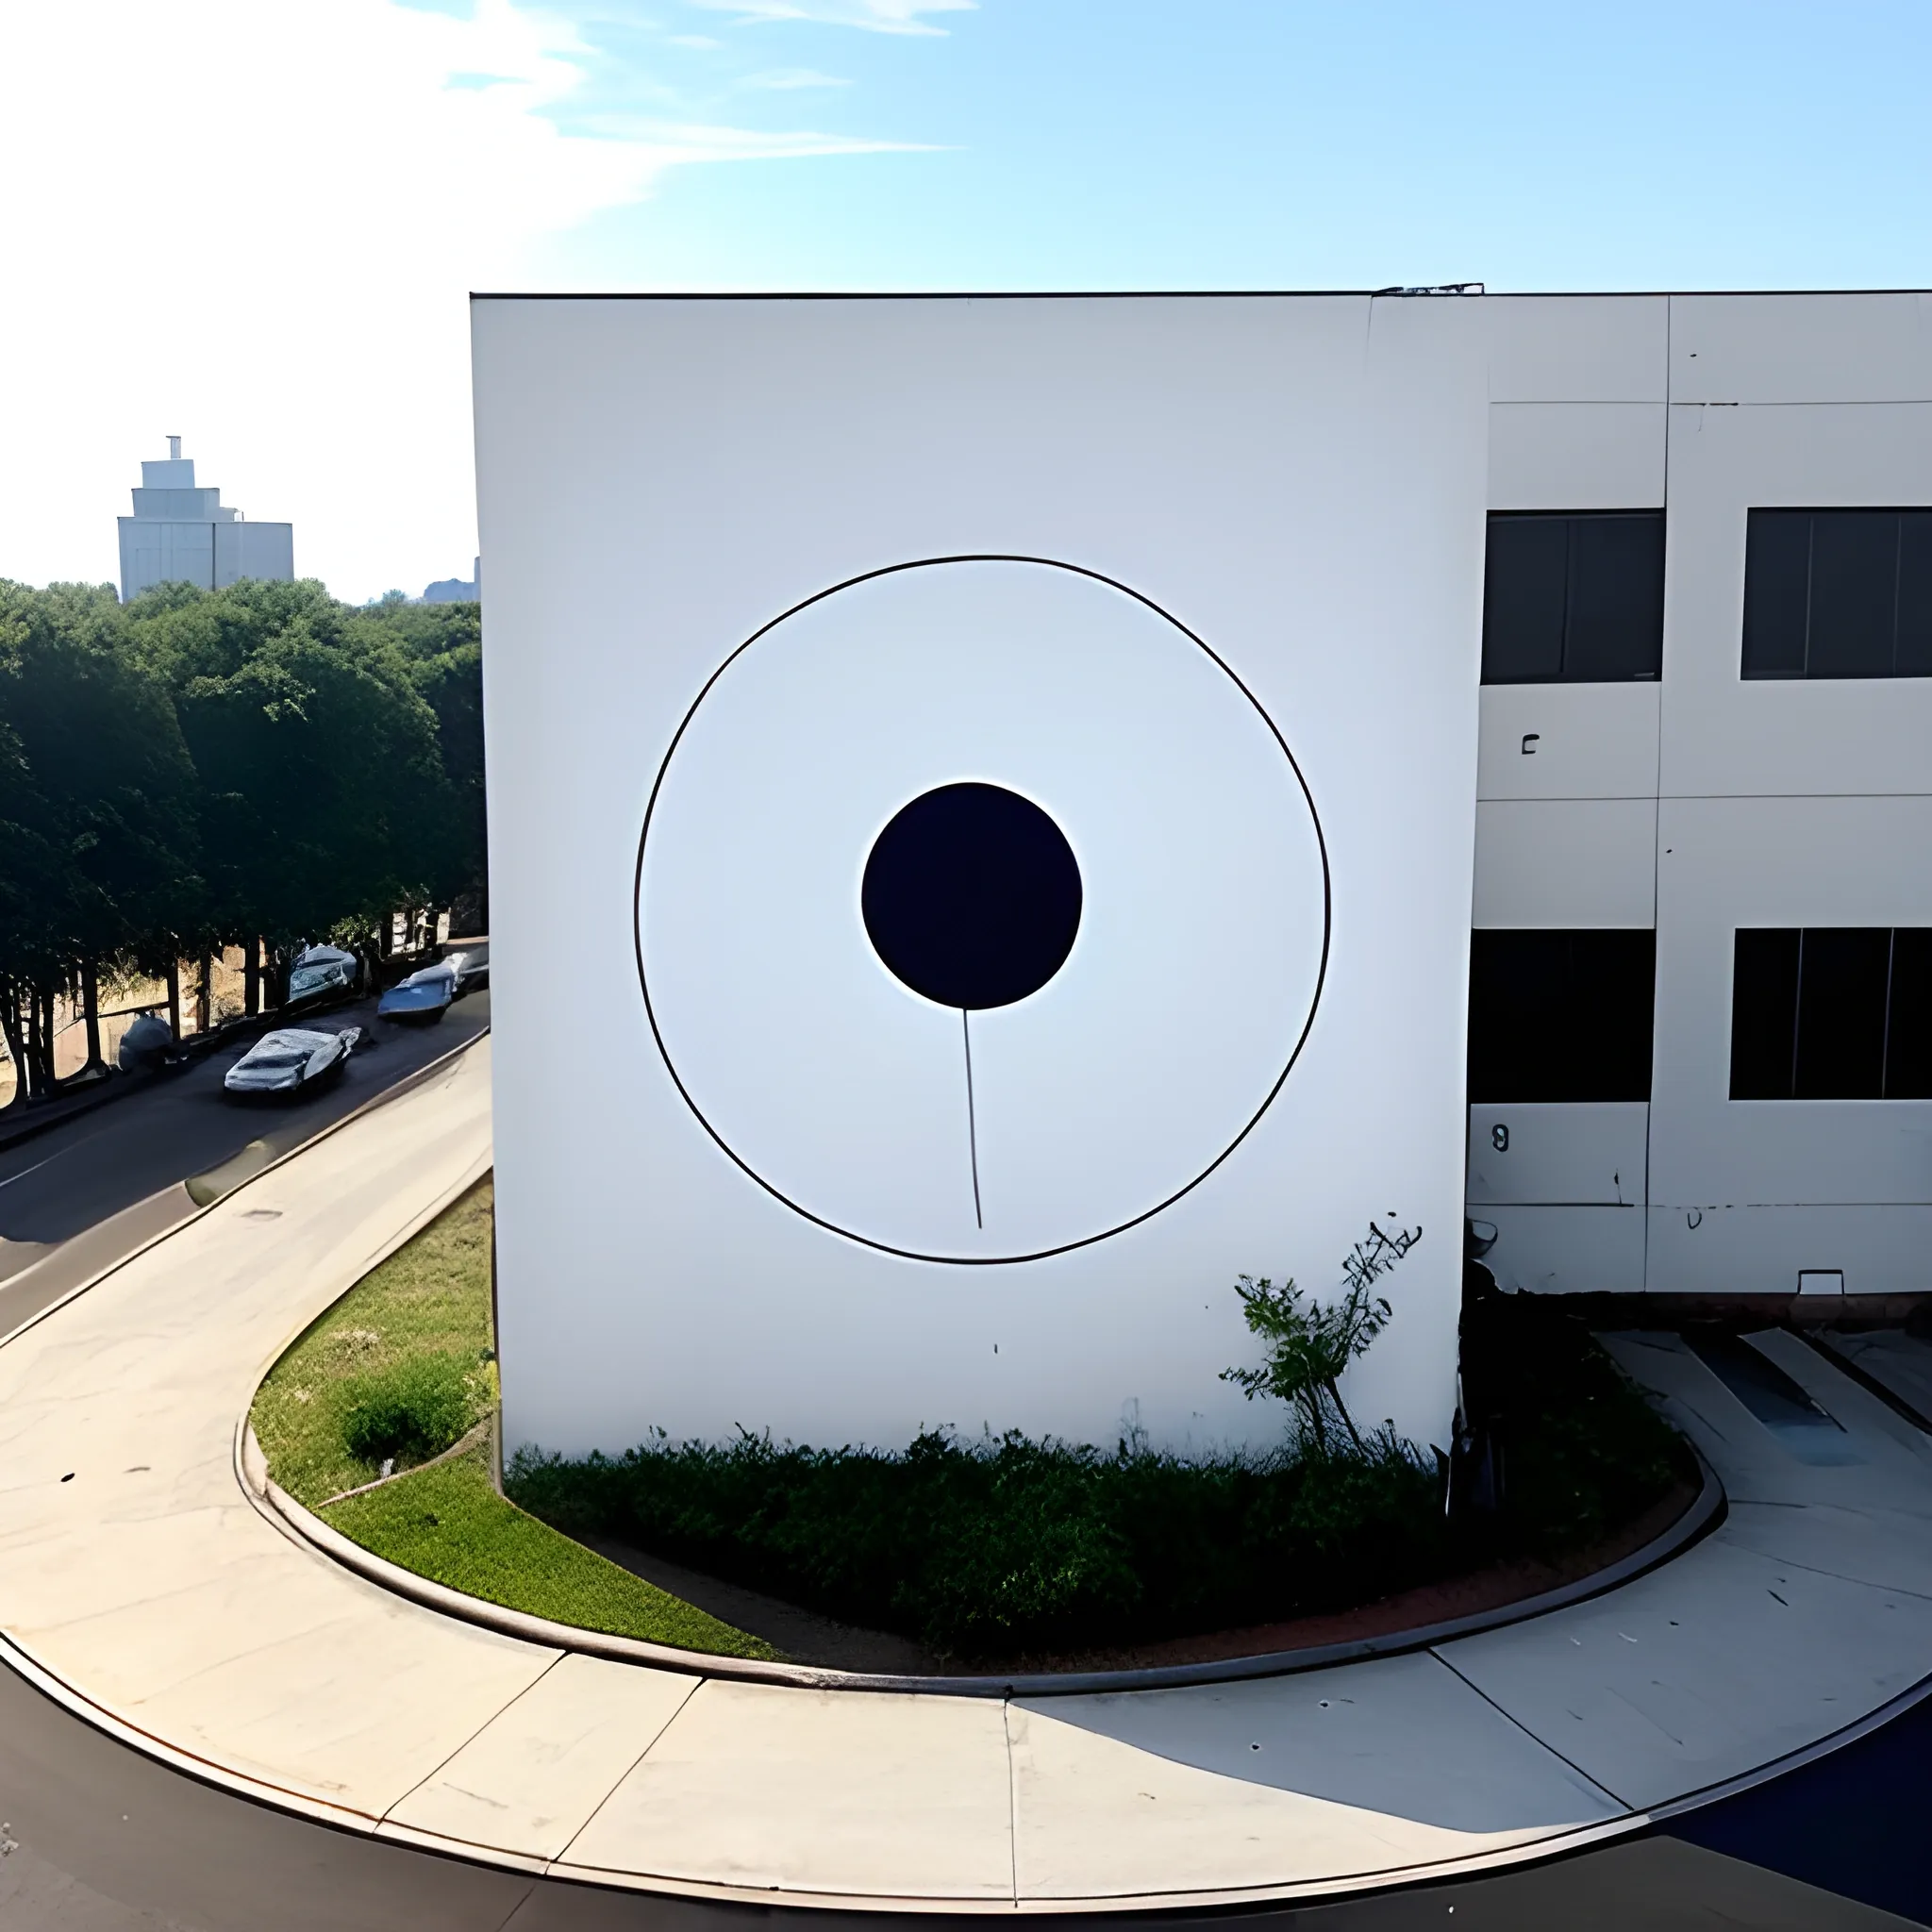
(1298, 482)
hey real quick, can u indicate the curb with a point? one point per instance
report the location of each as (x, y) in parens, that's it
(405, 1085)
(256, 1787)
(113, 1086)
(1704, 1515)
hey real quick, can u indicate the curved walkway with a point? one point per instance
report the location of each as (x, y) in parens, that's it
(141, 1585)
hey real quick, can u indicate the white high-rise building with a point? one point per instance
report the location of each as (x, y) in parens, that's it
(183, 533)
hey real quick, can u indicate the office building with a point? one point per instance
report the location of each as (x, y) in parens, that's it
(1597, 632)
(1701, 993)
(182, 532)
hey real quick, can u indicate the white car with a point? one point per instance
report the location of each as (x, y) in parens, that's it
(291, 1059)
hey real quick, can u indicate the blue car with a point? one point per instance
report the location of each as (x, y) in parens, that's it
(422, 997)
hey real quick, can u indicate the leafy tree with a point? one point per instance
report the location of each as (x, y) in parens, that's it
(1308, 1348)
(443, 647)
(197, 769)
(98, 798)
(324, 799)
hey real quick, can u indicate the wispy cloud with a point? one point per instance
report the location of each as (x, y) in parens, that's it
(786, 79)
(657, 146)
(874, 16)
(702, 42)
(482, 133)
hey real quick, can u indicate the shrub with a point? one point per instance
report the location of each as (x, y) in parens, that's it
(1578, 1451)
(1309, 1345)
(412, 1410)
(1006, 1546)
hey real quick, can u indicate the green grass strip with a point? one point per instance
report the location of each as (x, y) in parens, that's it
(449, 1524)
(429, 1298)
(428, 1302)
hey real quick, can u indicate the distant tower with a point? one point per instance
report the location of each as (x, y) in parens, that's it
(182, 534)
(456, 589)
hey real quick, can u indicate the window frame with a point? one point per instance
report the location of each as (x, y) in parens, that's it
(1594, 1055)
(1912, 592)
(1571, 623)
(1904, 1045)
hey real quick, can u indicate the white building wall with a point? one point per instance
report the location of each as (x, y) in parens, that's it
(1728, 735)
(1746, 1192)
(1305, 478)
(254, 550)
(1579, 455)
(182, 532)
(1773, 803)
(1556, 863)
(155, 551)
(1568, 740)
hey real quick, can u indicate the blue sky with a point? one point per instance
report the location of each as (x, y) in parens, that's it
(256, 222)
(1128, 143)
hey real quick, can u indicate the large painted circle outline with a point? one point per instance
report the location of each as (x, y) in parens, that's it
(1226, 669)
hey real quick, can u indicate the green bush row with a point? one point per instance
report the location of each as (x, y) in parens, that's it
(1005, 1547)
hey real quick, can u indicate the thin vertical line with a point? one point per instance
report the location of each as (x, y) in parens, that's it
(972, 1128)
(1656, 823)
(1012, 1792)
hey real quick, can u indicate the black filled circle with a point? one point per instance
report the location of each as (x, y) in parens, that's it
(972, 896)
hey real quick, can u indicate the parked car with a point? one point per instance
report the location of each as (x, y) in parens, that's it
(146, 1044)
(319, 971)
(422, 998)
(472, 967)
(292, 1060)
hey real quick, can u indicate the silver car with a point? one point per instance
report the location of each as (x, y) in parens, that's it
(290, 1060)
(321, 970)
(470, 965)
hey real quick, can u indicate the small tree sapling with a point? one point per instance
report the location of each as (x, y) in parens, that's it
(1309, 1345)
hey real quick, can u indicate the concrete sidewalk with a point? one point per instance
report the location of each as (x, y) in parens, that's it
(141, 1585)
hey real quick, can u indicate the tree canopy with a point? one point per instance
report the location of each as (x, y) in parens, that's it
(198, 769)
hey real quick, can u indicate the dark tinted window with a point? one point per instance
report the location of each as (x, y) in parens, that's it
(1842, 976)
(1832, 1013)
(1560, 1016)
(1572, 598)
(1838, 594)
(1525, 580)
(1854, 596)
(1908, 1016)
(1777, 591)
(1914, 658)
(1616, 615)
(1764, 1013)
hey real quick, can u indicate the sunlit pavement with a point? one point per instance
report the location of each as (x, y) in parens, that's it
(1802, 1851)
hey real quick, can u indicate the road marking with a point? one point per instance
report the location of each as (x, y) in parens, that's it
(34, 1167)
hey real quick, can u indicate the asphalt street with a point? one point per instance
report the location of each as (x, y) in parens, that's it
(62, 1182)
(96, 1838)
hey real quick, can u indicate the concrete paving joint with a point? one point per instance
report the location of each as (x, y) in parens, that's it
(150, 1584)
